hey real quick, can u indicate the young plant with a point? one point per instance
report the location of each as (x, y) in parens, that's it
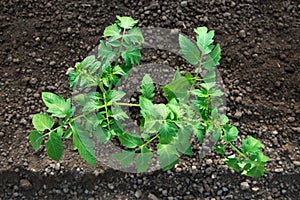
(166, 129)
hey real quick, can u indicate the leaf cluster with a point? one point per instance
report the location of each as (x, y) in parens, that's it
(166, 129)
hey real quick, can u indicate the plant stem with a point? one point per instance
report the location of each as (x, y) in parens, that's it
(127, 104)
(237, 150)
(143, 145)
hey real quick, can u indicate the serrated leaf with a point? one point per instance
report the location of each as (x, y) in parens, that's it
(175, 109)
(230, 134)
(118, 114)
(216, 93)
(214, 114)
(105, 52)
(126, 22)
(199, 132)
(182, 141)
(204, 39)
(134, 37)
(101, 134)
(130, 140)
(117, 70)
(143, 160)
(213, 58)
(190, 51)
(256, 171)
(178, 88)
(216, 134)
(86, 62)
(168, 156)
(125, 157)
(147, 87)
(112, 30)
(83, 143)
(233, 162)
(42, 122)
(210, 76)
(208, 86)
(220, 149)
(132, 56)
(35, 139)
(154, 115)
(167, 133)
(223, 119)
(57, 105)
(54, 147)
(251, 145)
(114, 96)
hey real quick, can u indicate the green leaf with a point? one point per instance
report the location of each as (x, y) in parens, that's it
(216, 93)
(204, 39)
(216, 134)
(86, 62)
(126, 22)
(259, 158)
(147, 87)
(168, 156)
(112, 30)
(190, 51)
(83, 143)
(54, 147)
(67, 134)
(199, 132)
(167, 132)
(233, 162)
(251, 145)
(105, 52)
(130, 140)
(214, 114)
(134, 37)
(57, 105)
(213, 58)
(230, 134)
(101, 134)
(114, 96)
(154, 115)
(35, 139)
(132, 56)
(59, 131)
(42, 122)
(117, 113)
(125, 157)
(220, 149)
(175, 109)
(178, 88)
(223, 119)
(256, 171)
(143, 160)
(182, 141)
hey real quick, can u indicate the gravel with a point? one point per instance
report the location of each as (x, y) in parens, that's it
(259, 68)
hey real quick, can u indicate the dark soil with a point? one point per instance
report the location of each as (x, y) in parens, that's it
(39, 40)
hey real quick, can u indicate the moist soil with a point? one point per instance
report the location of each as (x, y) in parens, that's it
(40, 40)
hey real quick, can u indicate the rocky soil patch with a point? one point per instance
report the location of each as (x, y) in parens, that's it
(39, 40)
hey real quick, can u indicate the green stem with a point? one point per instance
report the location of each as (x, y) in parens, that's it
(127, 104)
(146, 143)
(237, 150)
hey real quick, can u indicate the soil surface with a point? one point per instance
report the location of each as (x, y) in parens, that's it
(39, 40)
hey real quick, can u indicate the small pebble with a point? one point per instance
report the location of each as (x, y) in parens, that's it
(245, 185)
(138, 194)
(242, 33)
